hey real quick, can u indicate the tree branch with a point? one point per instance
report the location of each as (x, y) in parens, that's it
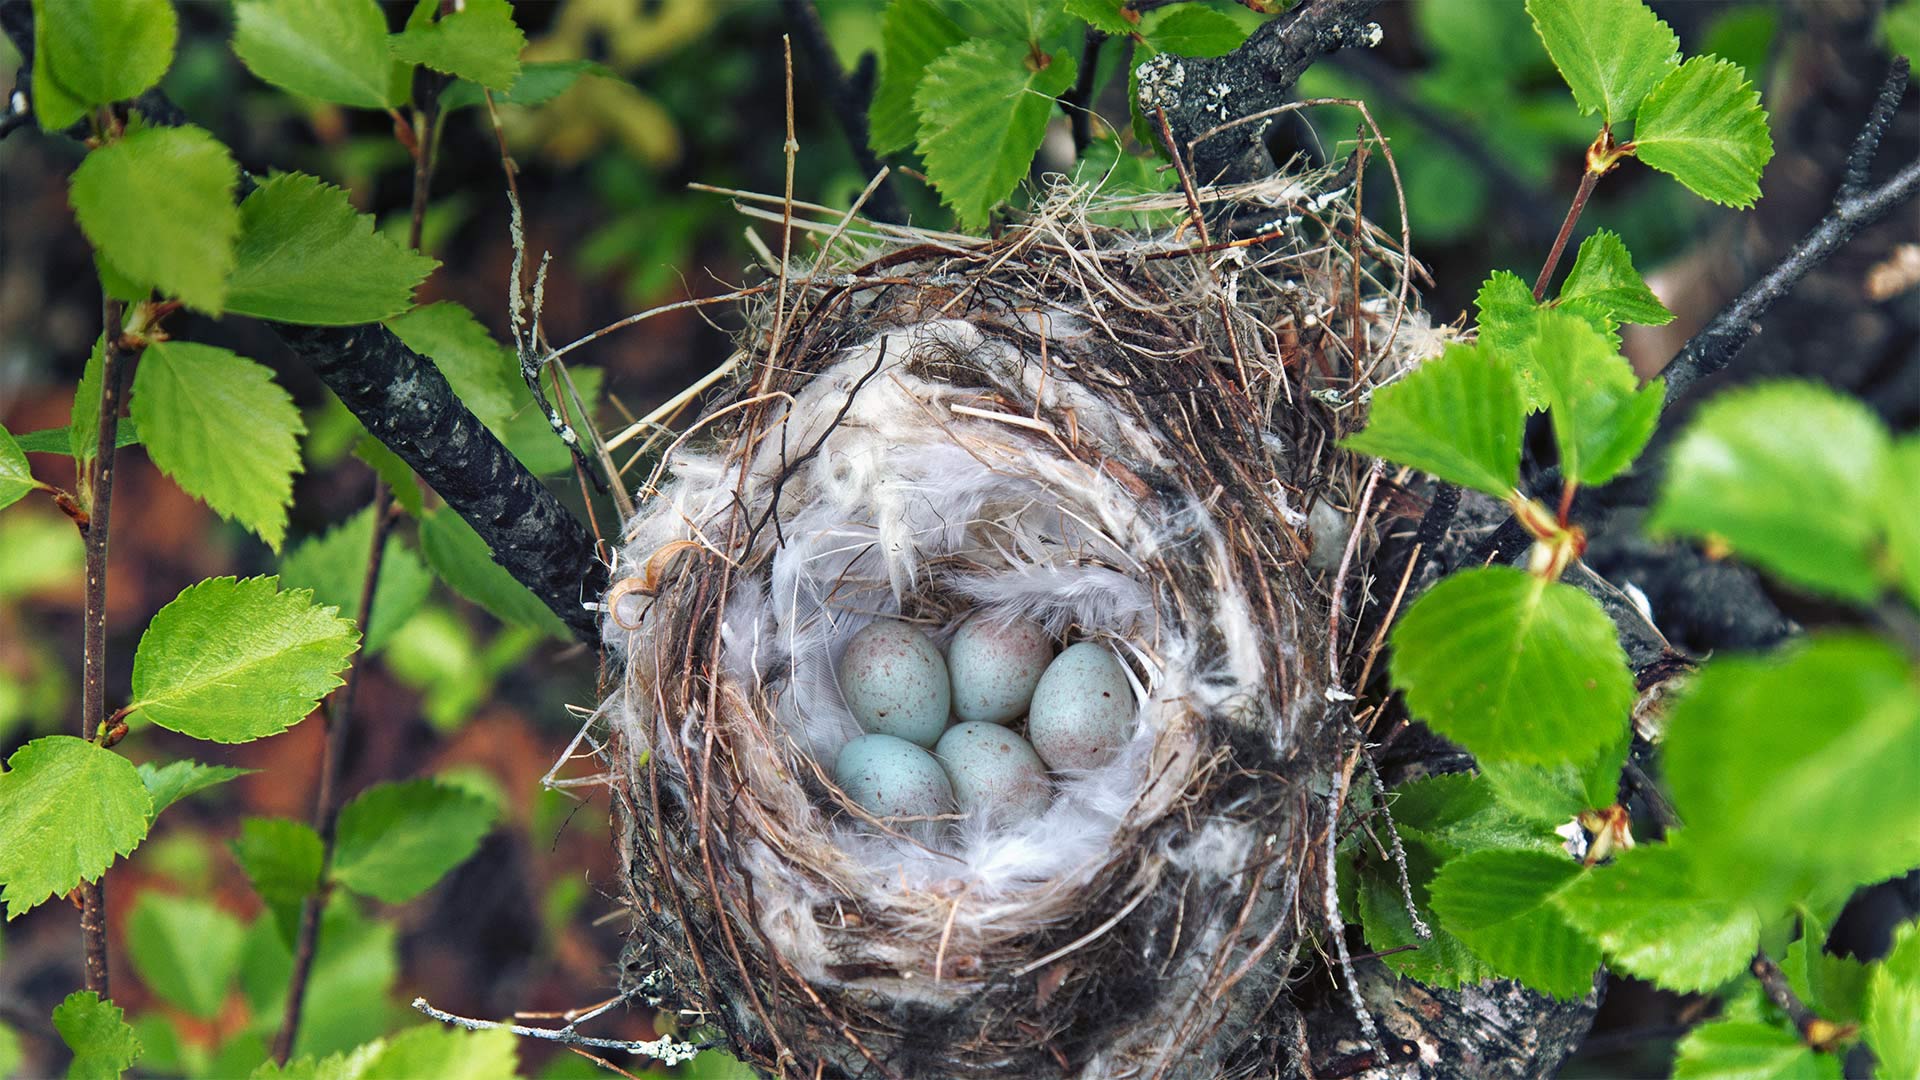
(1201, 94)
(115, 362)
(1714, 347)
(406, 403)
(848, 108)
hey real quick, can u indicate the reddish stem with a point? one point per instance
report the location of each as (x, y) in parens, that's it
(93, 680)
(1587, 181)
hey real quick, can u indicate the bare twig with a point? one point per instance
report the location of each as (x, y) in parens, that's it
(1780, 992)
(1867, 144)
(117, 360)
(1714, 347)
(339, 720)
(666, 1049)
(326, 804)
(849, 108)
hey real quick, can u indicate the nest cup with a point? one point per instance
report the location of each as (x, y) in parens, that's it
(1114, 431)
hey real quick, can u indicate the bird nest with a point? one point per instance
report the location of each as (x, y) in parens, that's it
(1117, 419)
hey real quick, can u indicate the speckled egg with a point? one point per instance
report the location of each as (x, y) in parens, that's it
(995, 771)
(1083, 709)
(995, 664)
(895, 682)
(892, 778)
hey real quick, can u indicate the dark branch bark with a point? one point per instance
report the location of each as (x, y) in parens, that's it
(1202, 94)
(406, 403)
(1715, 347)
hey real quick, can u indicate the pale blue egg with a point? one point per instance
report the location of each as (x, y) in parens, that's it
(994, 771)
(895, 682)
(892, 778)
(995, 664)
(1083, 709)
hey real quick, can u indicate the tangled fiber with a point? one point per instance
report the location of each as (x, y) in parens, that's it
(1107, 421)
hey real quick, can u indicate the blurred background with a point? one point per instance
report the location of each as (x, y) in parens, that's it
(1488, 143)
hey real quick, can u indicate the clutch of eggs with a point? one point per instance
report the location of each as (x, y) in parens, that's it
(915, 764)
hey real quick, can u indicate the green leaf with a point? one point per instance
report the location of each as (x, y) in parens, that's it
(176, 780)
(540, 81)
(159, 203)
(1787, 475)
(1460, 813)
(235, 660)
(1781, 766)
(117, 283)
(982, 115)
(186, 951)
(281, 857)
(1513, 667)
(11, 1052)
(349, 995)
(1899, 512)
(913, 33)
(1438, 960)
(16, 476)
(482, 371)
(397, 840)
(331, 50)
(1603, 275)
(1745, 1050)
(464, 561)
(341, 1065)
(1103, 15)
(1506, 320)
(1501, 903)
(1833, 986)
(1611, 52)
(1192, 30)
(103, 1045)
(478, 41)
(60, 440)
(1655, 923)
(307, 257)
(1553, 795)
(1892, 1020)
(67, 808)
(1900, 25)
(1602, 417)
(1459, 417)
(218, 424)
(1703, 126)
(334, 566)
(1028, 21)
(397, 474)
(438, 1050)
(96, 52)
(83, 424)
